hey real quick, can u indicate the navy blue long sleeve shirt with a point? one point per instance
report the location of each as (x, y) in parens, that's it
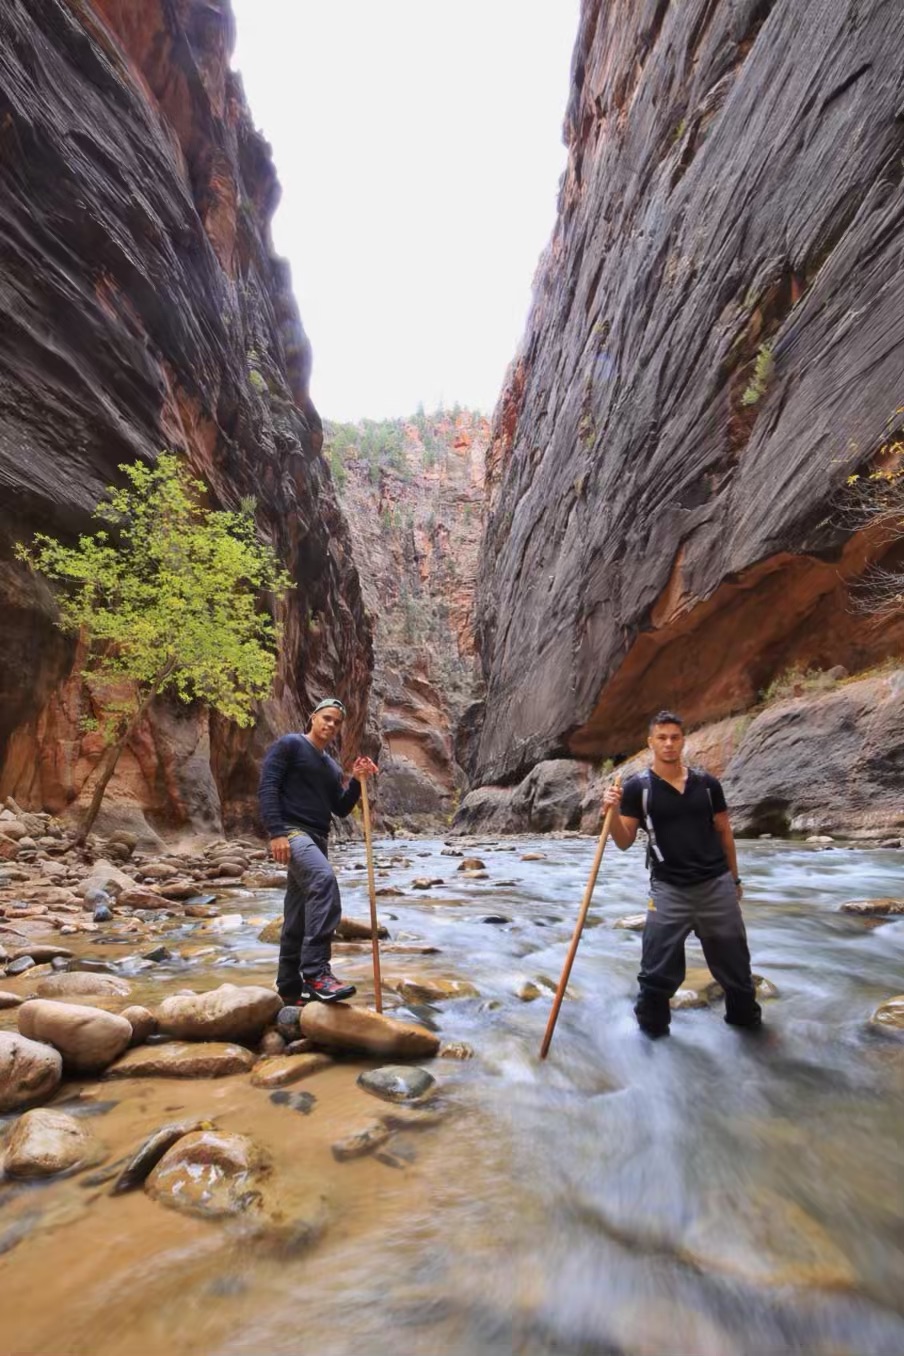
(301, 787)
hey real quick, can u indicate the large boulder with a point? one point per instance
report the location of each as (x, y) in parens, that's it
(822, 763)
(488, 809)
(550, 797)
(30, 1071)
(105, 878)
(338, 1026)
(229, 1013)
(45, 1142)
(201, 1059)
(87, 1037)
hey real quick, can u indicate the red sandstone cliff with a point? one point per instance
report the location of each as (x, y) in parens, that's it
(412, 490)
(142, 307)
(715, 343)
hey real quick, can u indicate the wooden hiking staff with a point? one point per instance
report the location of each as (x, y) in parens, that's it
(372, 891)
(578, 928)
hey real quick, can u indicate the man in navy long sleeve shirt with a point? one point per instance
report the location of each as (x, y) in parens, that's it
(301, 788)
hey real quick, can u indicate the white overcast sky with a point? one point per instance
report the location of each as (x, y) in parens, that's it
(419, 145)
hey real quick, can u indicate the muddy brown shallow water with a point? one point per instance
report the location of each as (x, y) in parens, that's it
(709, 1194)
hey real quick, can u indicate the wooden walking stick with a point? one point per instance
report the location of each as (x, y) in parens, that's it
(578, 929)
(372, 890)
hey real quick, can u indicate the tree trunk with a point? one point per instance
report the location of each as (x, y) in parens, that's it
(111, 758)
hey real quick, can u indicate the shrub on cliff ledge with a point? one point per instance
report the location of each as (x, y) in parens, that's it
(165, 599)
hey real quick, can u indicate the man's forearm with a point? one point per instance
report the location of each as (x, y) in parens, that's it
(622, 834)
(731, 851)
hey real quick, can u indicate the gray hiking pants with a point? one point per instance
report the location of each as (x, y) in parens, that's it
(711, 910)
(311, 914)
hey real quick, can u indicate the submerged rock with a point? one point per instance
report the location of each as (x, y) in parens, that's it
(341, 1027)
(78, 982)
(211, 1174)
(30, 1071)
(45, 1142)
(633, 922)
(361, 1142)
(430, 989)
(229, 1013)
(146, 1158)
(212, 1059)
(872, 908)
(397, 1082)
(278, 1071)
(271, 932)
(88, 1038)
(889, 1016)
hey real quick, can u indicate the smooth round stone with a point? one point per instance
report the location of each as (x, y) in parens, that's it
(397, 1082)
(30, 1071)
(45, 1142)
(288, 1022)
(88, 1038)
(103, 914)
(18, 967)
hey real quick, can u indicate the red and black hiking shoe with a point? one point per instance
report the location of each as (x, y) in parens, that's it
(326, 988)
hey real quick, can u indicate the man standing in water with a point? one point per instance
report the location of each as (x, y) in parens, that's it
(694, 883)
(301, 788)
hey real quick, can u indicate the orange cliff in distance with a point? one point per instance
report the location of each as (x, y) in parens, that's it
(412, 490)
(150, 311)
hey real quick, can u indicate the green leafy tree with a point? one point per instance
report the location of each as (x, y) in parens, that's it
(165, 596)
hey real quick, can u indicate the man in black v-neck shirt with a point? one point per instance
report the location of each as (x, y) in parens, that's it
(694, 881)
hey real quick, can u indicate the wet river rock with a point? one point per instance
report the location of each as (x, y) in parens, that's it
(88, 1038)
(45, 1142)
(361, 1142)
(30, 1071)
(397, 1082)
(142, 1021)
(210, 1174)
(77, 982)
(177, 1059)
(889, 1016)
(341, 1027)
(229, 1013)
(874, 908)
(146, 1158)
(279, 1070)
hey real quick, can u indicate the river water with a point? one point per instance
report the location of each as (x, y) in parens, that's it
(716, 1193)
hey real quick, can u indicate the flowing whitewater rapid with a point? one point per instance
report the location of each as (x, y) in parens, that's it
(716, 1193)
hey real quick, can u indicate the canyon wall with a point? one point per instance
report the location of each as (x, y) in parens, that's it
(142, 307)
(412, 490)
(714, 346)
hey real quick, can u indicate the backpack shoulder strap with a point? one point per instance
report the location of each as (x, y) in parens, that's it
(653, 846)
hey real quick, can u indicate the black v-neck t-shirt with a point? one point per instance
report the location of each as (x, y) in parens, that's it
(683, 824)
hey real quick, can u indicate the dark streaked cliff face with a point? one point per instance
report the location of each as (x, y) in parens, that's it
(715, 342)
(141, 306)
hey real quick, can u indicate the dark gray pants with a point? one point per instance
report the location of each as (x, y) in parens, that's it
(711, 910)
(311, 914)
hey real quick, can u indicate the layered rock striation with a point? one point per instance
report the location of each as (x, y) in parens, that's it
(412, 490)
(714, 345)
(142, 307)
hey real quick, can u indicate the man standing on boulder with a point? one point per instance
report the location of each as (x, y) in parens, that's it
(301, 788)
(694, 882)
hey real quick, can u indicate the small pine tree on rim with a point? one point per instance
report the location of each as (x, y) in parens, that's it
(165, 595)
